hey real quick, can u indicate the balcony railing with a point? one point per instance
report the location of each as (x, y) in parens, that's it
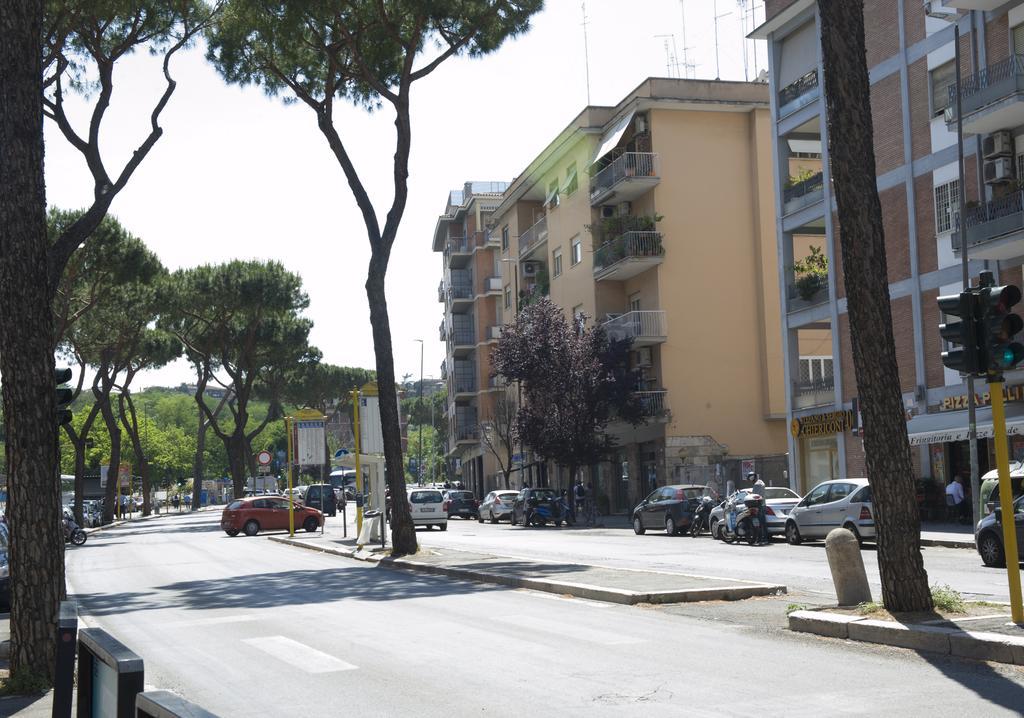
(991, 220)
(652, 403)
(465, 386)
(442, 332)
(533, 236)
(631, 245)
(626, 166)
(817, 386)
(467, 433)
(641, 326)
(463, 337)
(440, 291)
(799, 93)
(460, 291)
(803, 193)
(986, 87)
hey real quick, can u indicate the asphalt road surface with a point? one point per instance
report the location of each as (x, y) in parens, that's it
(247, 627)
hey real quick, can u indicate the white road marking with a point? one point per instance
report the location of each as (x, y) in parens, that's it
(299, 654)
(565, 629)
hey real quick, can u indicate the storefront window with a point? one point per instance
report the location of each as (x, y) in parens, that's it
(820, 460)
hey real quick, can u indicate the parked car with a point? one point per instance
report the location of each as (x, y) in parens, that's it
(988, 537)
(427, 508)
(496, 505)
(844, 503)
(667, 507)
(460, 503)
(266, 513)
(5, 569)
(779, 501)
(530, 498)
(321, 496)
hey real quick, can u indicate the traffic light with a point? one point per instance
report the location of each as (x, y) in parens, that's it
(64, 395)
(964, 357)
(998, 326)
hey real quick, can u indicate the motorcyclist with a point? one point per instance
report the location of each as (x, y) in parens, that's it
(758, 488)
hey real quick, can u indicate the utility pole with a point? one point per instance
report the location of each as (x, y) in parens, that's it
(586, 51)
(419, 461)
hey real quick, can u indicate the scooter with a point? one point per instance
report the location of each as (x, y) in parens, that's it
(742, 521)
(544, 512)
(73, 533)
(701, 516)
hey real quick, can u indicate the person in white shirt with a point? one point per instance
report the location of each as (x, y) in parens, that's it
(955, 496)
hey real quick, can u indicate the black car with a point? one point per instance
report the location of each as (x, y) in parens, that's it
(668, 507)
(461, 503)
(530, 500)
(321, 496)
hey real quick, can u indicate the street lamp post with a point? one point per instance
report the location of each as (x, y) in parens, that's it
(419, 461)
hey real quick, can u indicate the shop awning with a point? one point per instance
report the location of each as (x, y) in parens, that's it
(612, 137)
(952, 426)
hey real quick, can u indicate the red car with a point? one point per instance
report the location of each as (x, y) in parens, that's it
(266, 513)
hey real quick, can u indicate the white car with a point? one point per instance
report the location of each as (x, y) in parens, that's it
(840, 503)
(427, 508)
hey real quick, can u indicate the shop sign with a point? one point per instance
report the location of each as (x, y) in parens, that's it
(832, 422)
(1014, 392)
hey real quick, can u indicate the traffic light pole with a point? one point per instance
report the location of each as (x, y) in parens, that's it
(995, 387)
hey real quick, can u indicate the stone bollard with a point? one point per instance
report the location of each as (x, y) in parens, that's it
(847, 567)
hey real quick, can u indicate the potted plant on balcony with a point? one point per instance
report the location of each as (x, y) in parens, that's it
(811, 273)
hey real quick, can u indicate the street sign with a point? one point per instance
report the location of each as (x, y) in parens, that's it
(264, 458)
(263, 469)
(340, 453)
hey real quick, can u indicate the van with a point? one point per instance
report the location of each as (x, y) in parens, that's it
(321, 496)
(427, 508)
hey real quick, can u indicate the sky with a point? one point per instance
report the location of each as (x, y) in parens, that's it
(238, 174)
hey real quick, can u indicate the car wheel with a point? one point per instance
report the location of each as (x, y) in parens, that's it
(493, 520)
(793, 533)
(443, 527)
(670, 526)
(856, 534)
(991, 550)
(310, 525)
(638, 526)
(231, 532)
(480, 519)
(251, 527)
(715, 532)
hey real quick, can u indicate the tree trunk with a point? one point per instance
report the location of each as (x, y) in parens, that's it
(403, 534)
(887, 452)
(112, 492)
(198, 464)
(26, 336)
(235, 448)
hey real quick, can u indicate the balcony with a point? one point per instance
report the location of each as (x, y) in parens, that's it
(653, 404)
(628, 255)
(994, 230)
(464, 382)
(467, 434)
(803, 193)
(463, 341)
(493, 333)
(813, 393)
(799, 93)
(974, 4)
(533, 237)
(442, 334)
(642, 327)
(460, 296)
(992, 98)
(440, 291)
(458, 251)
(627, 177)
(492, 285)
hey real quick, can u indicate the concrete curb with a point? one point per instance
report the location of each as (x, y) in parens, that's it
(579, 590)
(977, 645)
(948, 543)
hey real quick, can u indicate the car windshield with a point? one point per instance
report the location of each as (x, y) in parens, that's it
(544, 495)
(461, 495)
(780, 492)
(425, 497)
(693, 493)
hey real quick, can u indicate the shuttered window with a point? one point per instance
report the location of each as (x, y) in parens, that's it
(1018, 39)
(946, 198)
(941, 78)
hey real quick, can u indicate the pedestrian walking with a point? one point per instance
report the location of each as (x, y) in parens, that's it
(579, 493)
(955, 498)
(176, 502)
(758, 488)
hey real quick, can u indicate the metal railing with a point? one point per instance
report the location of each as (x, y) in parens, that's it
(797, 94)
(440, 291)
(652, 403)
(814, 183)
(1005, 206)
(463, 337)
(467, 433)
(1011, 67)
(534, 235)
(626, 165)
(464, 385)
(460, 291)
(459, 245)
(442, 334)
(631, 245)
(635, 324)
(802, 388)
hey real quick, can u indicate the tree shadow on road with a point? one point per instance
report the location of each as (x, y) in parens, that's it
(985, 679)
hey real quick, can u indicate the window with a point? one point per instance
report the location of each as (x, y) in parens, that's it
(815, 369)
(572, 181)
(840, 491)
(504, 238)
(946, 197)
(1017, 33)
(577, 250)
(556, 262)
(508, 297)
(1019, 166)
(634, 302)
(817, 496)
(552, 199)
(941, 78)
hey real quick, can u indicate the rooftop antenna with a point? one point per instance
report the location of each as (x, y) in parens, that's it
(689, 68)
(671, 59)
(718, 68)
(586, 52)
(743, 37)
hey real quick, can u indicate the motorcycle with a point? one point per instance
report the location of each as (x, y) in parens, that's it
(73, 533)
(543, 512)
(742, 522)
(701, 516)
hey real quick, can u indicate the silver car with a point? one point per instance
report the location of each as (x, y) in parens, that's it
(779, 501)
(841, 503)
(497, 505)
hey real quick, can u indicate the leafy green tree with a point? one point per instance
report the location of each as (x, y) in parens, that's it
(369, 53)
(240, 321)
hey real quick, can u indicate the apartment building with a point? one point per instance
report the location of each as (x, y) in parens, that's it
(655, 219)
(910, 57)
(471, 293)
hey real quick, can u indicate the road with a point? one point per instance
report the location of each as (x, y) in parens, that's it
(804, 568)
(248, 627)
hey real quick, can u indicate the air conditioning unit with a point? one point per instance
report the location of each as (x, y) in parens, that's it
(939, 9)
(998, 171)
(639, 124)
(623, 208)
(530, 269)
(998, 144)
(643, 357)
(607, 211)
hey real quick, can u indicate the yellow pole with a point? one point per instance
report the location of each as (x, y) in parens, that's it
(359, 469)
(995, 390)
(288, 468)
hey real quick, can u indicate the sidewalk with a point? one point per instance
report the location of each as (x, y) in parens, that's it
(624, 586)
